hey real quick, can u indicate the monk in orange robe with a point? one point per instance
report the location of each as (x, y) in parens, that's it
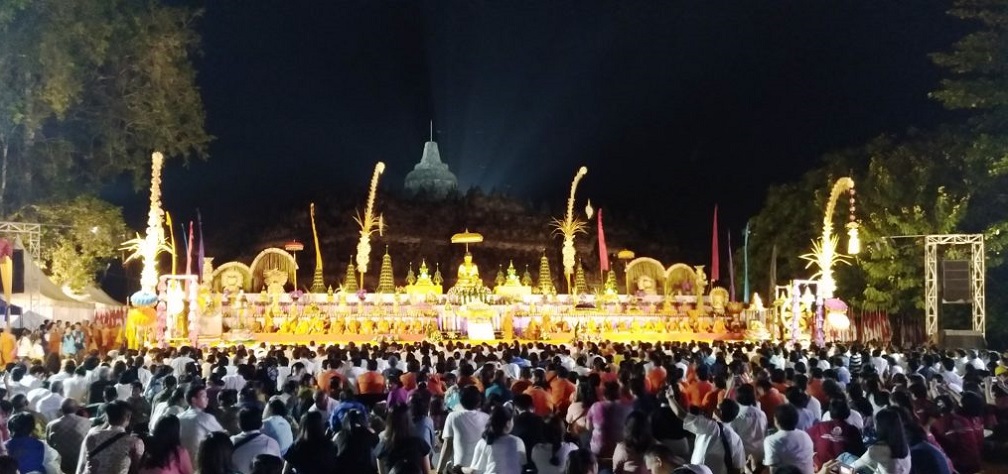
(8, 347)
(55, 339)
(108, 338)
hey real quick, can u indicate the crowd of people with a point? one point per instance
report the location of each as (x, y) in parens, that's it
(508, 408)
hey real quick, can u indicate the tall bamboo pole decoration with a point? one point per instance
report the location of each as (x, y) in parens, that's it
(824, 253)
(318, 285)
(368, 223)
(148, 247)
(570, 226)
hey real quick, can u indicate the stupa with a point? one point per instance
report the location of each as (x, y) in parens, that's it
(431, 177)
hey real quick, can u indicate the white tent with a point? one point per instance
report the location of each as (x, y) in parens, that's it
(42, 299)
(95, 295)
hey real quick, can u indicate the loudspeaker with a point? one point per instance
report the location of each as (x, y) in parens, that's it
(955, 286)
(955, 339)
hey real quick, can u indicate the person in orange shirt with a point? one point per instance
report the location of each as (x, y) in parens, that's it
(815, 387)
(656, 378)
(409, 379)
(769, 397)
(467, 377)
(561, 389)
(324, 379)
(714, 398)
(542, 402)
(524, 381)
(779, 380)
(435, 385)
(372, 381)
(700, 387)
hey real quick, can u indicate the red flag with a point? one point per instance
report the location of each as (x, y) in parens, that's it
(715, 274)
(602, 252)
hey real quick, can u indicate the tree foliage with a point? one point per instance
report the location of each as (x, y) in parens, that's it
(77, 238)
(951, 179)
(91, 87)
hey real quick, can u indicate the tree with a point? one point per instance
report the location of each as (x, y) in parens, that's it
(914, 186)
(78, 236)
(91, 87)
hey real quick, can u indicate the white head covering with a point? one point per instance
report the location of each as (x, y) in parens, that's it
(692, 469)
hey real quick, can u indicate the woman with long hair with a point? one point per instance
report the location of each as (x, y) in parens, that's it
(355, 443)
(173, 406)
(165, 453)
(605, 421)
(498, 451)
(312, 452)
(398, 444)
(577, 412)
(628, 457)
(215, 455)
(421, 421)
(550, 455)
(890, 453)
(581, 461)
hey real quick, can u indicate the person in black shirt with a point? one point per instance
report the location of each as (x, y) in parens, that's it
(312, 452)
(97, 389)
(528, 426)
(398, 445)
(355, 443)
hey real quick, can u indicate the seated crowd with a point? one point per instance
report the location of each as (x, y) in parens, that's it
(658, 408)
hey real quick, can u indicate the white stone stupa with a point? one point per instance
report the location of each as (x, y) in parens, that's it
(431, 177)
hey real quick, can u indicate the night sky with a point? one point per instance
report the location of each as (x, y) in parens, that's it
(673, 106)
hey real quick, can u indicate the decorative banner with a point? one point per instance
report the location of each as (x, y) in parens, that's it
(174, 254)
(715, 253)
(603, 252)
(745, 264)
(731, 270)
(199, 253)
(7, 273)
(773, 274)
(189, 250)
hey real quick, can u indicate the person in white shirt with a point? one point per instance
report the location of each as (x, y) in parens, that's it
(712, 435)
(498, 451)
(800, 400)
(69, 366)
(948, 373)
(179, 363)
(195, 424)
(234, 381)
(881, 365)
(251, 442)
(49, 402)
(462, 430)
(789, 446)
(76, 387)
(276, 426)
(324, 403)
(750, 423)
(890, 454)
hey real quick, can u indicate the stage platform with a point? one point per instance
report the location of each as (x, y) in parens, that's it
(554, 338)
